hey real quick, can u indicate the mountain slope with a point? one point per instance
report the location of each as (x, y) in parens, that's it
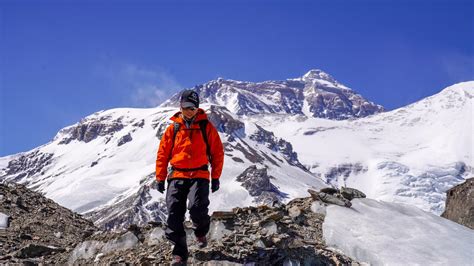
(410, 155)
(104, 165)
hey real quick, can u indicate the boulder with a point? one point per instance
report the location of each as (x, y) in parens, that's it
(351, 193)
(460, 204)
(332, 199)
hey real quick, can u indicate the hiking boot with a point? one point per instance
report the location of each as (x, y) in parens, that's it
(178, 260)
(202, 241)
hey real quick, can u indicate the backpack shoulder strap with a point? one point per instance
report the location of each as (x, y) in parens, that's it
(203, 126)
(175, 131)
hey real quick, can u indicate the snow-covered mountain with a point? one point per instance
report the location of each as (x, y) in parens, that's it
(280, 137)
(315, 94)
(103, 166)
(409, 155)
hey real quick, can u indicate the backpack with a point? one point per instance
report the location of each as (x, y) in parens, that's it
(202, 126)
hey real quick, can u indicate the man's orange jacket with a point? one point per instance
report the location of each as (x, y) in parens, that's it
(189, 151)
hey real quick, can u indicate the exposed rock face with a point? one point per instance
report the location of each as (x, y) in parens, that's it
(332, 103)
(39, 228)
(124, 139)
(224, 122)
(460, 204)
(258, 184)
(90, 129)
(27, 165)
(343, 171)
(277, 144)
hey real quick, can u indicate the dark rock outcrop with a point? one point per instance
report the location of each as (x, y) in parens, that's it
(27, 165)
(124, 139)
(351, 193)
(257, 183)
(460, 204)
(224, 122)
(344, 171)
(89, 129)
(278, 145)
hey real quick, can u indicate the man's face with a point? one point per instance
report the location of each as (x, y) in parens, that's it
(189, 112)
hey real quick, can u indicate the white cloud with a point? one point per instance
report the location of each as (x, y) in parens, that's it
(144, 87)
(148, 96)
(149, 87)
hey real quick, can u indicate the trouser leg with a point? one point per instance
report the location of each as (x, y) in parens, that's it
(176, 196)
(199, 206)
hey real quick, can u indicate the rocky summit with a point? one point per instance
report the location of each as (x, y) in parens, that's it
(40, 231)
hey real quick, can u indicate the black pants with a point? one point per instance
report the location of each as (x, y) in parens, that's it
(179, 190)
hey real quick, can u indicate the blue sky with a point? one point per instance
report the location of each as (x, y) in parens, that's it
(63, 60)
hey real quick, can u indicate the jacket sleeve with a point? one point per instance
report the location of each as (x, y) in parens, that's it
(217, 152)
(163, 154)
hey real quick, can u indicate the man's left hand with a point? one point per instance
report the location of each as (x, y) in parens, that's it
(214, 185)
(161, 186)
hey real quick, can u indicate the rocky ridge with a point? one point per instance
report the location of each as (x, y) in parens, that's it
(40, 231)
(37, 228)
(315, 94)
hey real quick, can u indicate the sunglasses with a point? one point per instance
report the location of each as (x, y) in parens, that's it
(189, 108)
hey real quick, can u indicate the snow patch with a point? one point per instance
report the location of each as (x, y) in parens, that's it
(3, 221)
(382, 233)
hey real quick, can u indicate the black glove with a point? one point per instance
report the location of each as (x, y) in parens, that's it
(161, 186)
(214, 185)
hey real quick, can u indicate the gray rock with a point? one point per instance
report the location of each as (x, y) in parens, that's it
(258, 184)
(89, 129)
(124, 139)
(460, 204)
(224, 215)
(329, 190)
(35, 250)
(332, 199)
(296, 214)
(351, 193)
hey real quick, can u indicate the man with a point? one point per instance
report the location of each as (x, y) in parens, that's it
(189, 156)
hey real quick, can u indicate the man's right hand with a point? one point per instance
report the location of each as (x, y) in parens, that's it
(161, 186)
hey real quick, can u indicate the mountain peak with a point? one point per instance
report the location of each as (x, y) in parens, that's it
(317, 74)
